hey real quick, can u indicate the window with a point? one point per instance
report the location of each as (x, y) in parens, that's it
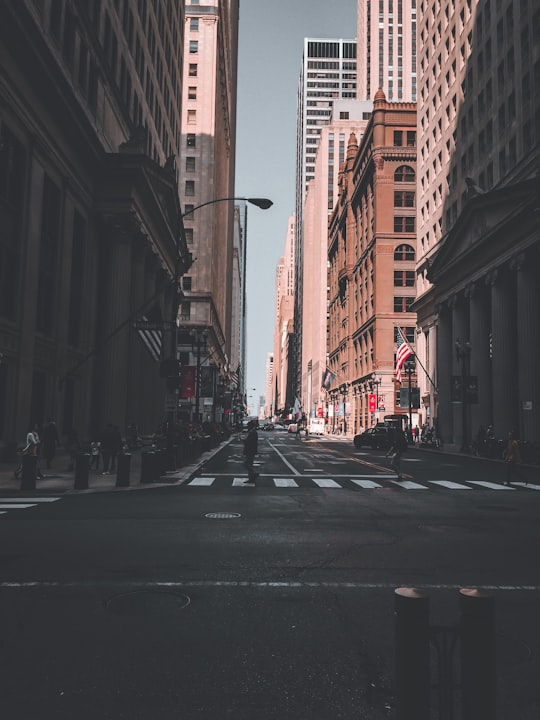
(194, 24)
(191, 117)
(398, 137)
(190, 164)
(408, 332)
(190, 140)
(404, 173)
(193, 47)
(192, 92)
(404, 223)
(189, 235)
(185, 310)
(403, 304)
(403, 278)
(186, 282)
(411, 138)
(403, 198)
(189, 188)
(404, 252)
(192, 69)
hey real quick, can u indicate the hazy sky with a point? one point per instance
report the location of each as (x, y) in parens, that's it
(270, 55)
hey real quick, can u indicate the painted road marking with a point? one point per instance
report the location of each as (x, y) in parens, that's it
(367, 484)
(326, 483)
(16, 506)
(205, 482)
(29, 499)
(449, 484)
(285, 482)
(490, 485)
(409, 485)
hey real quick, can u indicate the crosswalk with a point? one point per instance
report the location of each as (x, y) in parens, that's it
(373, 482)
(23, 503)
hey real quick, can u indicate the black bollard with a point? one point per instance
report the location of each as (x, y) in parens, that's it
(148, 466)
(29, 472)
(122, 470)
(478, 671)
(82, 470)
(412, 683)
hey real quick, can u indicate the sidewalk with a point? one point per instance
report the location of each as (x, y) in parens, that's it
(60, 479)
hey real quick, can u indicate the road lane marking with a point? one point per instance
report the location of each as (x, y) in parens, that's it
(205, 482)
(29, 499)
(409, 485)
(16, 506)
(287, 463)
(241, 482)
(257, 585)
(491, 485)
(285, 482)
(449, 484)
(530, 486)
(367, 484)
(326, 483)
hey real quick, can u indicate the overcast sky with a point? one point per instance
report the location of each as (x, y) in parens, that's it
(270, 55)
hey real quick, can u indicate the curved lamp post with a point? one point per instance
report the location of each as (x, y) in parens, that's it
(262, 203)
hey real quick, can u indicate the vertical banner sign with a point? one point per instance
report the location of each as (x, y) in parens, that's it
(188, 381)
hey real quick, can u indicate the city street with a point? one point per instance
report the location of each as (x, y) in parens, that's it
(214, 599)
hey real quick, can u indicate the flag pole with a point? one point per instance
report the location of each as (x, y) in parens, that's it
(418, 360)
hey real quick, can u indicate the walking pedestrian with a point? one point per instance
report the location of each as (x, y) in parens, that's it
(31, 448)
(512, 457)
(95, 452)
(251, 444)
(398, 445)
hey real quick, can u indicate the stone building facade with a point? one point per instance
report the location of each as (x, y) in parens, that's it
(91, 238)
(371, 254)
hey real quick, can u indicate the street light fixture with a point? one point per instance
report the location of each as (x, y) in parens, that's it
(262, 203)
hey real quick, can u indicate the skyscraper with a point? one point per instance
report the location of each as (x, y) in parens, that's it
(387, 49)
(328, 73)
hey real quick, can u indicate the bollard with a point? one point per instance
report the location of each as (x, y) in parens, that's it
(82, 469)
(412, 683)
(122, 470)
(149, 462)
(478, 671)
(29, 472)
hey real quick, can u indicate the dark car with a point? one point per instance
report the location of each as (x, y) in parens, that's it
(377, 437)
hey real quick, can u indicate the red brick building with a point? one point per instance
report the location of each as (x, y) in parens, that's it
(371, 253)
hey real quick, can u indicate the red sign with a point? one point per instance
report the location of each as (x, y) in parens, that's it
(319, 412)
(188, 381)
(372, 402)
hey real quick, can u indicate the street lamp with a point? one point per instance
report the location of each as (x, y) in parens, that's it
(463, 354)
(262, 203)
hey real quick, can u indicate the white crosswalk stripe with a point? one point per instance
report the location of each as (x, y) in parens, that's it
(23, 503)
(365, 482)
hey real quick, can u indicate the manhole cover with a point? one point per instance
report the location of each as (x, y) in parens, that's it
(222, 515)
(144, 602)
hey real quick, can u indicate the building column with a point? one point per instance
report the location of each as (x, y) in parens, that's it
(480, 324)
(443, 419)
(117, 285)
(461, 334)
(528, 344)
(504, 359)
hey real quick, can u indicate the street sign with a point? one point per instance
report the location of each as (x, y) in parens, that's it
(146, 325)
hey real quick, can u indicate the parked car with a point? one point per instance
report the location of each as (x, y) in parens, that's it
(377, 437)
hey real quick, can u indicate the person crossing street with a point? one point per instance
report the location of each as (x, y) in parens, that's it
(251, 444)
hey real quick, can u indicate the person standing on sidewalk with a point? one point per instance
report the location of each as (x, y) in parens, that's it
(251, 444)
(512, 457)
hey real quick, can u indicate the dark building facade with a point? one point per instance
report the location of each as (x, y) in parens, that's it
(91, 238)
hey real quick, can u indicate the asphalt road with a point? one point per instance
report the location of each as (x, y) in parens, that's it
(215, 599)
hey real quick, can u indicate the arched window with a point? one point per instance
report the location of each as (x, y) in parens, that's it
(404, 173)
(404, 252)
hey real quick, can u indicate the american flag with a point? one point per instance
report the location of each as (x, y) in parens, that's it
(234, 377)
(153, 336)
(403, 352)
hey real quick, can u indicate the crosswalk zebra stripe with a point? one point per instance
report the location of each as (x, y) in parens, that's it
(240, 482)
(527, 485)
(16, 506)
(490, 485)
(409, 485)
(326, 483)
(29, 499)
(449, 484)
(285, 482)
(205, 482)
(366, 484)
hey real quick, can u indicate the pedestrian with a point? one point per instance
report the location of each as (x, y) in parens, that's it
(398, 445)
(512, 458)
(95, 452)
(51, 441)
(31, 448)
(251, 444)
(417, 434)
